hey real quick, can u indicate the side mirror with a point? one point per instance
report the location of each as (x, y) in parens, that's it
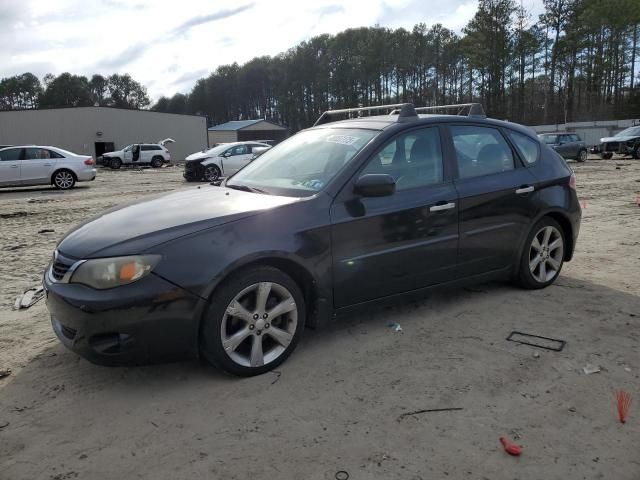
(225, 154)
(375, 185)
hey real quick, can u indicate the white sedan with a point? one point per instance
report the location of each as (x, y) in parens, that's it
(221, 161)
(39, 165)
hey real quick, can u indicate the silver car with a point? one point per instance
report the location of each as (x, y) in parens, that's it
(43, 165)
(568, 145)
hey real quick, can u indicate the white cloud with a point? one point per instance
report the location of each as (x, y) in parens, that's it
(166, 44)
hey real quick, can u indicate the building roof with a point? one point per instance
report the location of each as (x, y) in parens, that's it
(240, 124)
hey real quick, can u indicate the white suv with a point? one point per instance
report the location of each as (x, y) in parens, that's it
(154, 154)
(221, 161)
(36, 165)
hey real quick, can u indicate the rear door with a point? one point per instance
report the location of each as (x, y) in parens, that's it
(146, 153)
(37, 165)
(565, 147)
(405, 241)
(495, 199)
(10, 166)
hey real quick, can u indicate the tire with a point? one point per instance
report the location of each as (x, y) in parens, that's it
(115, 163)
(636, 152)
(250, 324)
(545, 271)
(212, 173)
(582, 155)
(156, 162)
(63, 179)
(607, 155)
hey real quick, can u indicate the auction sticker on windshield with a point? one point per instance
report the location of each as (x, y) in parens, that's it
(342, 139)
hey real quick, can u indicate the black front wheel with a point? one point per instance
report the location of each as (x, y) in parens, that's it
(156, 162)
(115, 163)
(253, 322)
(212, 173)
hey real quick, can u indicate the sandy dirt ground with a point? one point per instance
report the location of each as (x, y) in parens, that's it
(337, 404)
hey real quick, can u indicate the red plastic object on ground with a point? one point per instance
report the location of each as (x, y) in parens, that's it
(623, 400)
(510, 448)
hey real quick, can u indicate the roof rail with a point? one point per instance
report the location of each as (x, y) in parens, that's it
(406, 111)
(474, 109)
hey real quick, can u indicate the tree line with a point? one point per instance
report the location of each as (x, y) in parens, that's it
(26, 91)
(576, 61)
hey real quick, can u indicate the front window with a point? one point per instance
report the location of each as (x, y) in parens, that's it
(303, 164)
(629, 132)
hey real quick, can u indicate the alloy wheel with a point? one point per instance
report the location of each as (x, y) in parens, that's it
(583, 156)
(211, 173)
(546, 254)
(259, 324)
(63, 180)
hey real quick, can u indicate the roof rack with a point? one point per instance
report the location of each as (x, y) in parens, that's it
(474, 109)
(406, 111)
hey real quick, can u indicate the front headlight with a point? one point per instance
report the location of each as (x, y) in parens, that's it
(103, 273)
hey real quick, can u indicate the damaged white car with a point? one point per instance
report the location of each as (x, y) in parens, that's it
(221, 161)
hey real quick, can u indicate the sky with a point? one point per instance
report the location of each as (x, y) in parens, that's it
(168, 44)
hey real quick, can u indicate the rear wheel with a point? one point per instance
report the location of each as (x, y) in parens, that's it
(212, 173)
(253, 322)
(582, 156)
(607, 155)
(63, 179)
(156, 162)
(543, 255)
(636, 152)
(115, 163)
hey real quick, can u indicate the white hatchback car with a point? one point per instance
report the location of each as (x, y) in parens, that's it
(221, 161)
(39, 165)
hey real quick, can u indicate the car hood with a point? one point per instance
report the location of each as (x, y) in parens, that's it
(113, 154)
(617, 139)
(199, 156)
(138, 226)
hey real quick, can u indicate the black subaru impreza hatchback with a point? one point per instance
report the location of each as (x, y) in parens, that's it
(344, 214)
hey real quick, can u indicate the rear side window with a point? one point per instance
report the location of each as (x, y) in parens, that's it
(11, 154)
(481, 151)
(413, 159)
(526, 147)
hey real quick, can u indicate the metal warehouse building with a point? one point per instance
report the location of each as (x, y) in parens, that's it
(246, 130)
(95, 130)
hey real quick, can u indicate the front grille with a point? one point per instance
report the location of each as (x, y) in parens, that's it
(70, 333)
(60, 266)
(193, 170)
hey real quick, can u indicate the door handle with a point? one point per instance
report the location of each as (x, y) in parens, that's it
(14, 166)
(524, 189)
(444, 206)
(47, 164)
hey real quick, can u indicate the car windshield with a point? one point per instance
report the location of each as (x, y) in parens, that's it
(549, 139)
(629, 132)
(303, 164)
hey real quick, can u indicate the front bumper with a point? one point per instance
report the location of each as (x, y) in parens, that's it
(193, 171)
(144, 322)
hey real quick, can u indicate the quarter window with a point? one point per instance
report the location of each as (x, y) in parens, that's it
(413, 159)
(480, 151)
(526, 147)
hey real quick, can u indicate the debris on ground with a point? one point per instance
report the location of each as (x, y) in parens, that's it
(623, 402)
(510, 448)
(46, 230)
(342, 475)
(5, 373)
(428, 410)
(29, 297)
(536, 354)
(537, 341)
(589, 368)
(3, 424)
(395, 326)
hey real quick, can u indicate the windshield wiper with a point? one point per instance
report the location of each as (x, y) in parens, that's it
(246, 188)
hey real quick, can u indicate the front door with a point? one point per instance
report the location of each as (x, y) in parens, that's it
(237, 158)
(495, 193)
(405, 241)
(10, 166)
(135, 153)
(37, 166)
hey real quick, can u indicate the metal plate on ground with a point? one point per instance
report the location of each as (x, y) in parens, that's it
(537, 341)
